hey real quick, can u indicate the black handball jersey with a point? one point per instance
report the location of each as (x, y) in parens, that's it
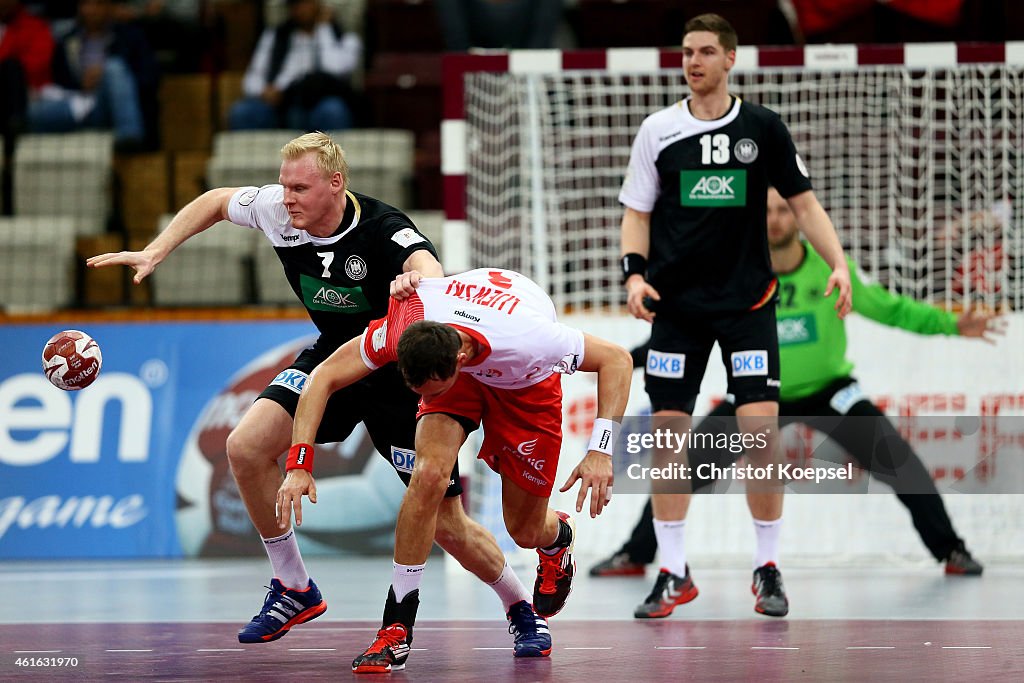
(705, 185)
(342, 280)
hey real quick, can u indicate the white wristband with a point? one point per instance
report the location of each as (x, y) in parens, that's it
(602, 439)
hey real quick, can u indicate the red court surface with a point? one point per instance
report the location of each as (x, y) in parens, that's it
(591, 650)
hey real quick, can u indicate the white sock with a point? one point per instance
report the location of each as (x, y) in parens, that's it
(767, 533)
(286, 560)
(672, 545)
(510, 589)
(405, 578)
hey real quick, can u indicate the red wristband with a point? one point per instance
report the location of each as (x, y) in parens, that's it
(300, 457)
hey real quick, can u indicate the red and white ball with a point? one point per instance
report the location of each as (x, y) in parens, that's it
(72, 360)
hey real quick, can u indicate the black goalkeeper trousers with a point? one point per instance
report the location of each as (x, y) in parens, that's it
(880, 451)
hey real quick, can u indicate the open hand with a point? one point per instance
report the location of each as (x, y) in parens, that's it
(296, 484)
(595, 473)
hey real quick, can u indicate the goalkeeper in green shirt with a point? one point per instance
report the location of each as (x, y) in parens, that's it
(816, 382)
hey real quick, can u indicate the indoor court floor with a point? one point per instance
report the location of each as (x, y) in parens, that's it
(176, 621)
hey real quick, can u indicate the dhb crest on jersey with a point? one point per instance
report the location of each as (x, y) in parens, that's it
(745, 151)
(355, 267)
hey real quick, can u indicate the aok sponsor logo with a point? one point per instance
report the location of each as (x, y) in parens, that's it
(723, 188)
(323, 296)
(800, 329)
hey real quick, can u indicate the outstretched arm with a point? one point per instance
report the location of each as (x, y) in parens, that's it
(614, 368)
(816, 224)
(198, 215)
(343, 367)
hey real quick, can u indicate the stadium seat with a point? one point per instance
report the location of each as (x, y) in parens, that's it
(66, 174)
(209, 269)
(380, 162)
(37, 271)
(404, 90)
(271, 285)
(247, 157)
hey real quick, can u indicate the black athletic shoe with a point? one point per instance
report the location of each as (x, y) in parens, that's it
(960, 562)
(554, 575)
(391, 647)
(771, 594)
(618, 564)
(669, 590)
(387, 652)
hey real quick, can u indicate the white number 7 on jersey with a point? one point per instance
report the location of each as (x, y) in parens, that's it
(328, 258)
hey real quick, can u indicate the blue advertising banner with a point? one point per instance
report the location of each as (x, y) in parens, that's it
(105, 471)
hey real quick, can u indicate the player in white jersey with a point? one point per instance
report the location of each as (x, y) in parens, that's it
(482, 347)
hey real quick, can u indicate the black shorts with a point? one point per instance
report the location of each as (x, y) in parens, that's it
(381, 401)
(681, 345)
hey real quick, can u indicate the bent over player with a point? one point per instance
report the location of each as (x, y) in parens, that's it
(693, 240)
(482, 347)
(340, 251)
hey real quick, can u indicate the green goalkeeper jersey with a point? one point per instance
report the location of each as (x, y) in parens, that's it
(812, 338)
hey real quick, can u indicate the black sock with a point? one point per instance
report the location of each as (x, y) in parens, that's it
(403, 613)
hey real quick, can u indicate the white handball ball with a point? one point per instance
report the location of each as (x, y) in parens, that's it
(71, 360)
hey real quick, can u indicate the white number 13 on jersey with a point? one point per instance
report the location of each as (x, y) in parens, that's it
(714, 149)
(328, 258)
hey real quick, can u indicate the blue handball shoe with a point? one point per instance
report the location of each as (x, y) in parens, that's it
(283, 608)
(530, 630)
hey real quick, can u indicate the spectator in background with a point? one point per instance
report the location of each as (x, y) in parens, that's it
(104, 76)
(299, 74)
(173, 28)
(526, 24)
(25, 48)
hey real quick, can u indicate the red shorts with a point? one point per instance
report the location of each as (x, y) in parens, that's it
(522, 427)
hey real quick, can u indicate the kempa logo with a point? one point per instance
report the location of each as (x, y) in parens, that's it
(323, 296)
(699, 188)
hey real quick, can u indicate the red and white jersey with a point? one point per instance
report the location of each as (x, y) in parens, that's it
(507, 314)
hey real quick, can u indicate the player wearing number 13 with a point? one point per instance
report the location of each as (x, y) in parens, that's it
(694, 242)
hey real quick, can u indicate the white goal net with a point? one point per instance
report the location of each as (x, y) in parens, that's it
(920, 169)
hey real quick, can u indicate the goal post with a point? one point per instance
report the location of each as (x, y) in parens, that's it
(915, 150)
